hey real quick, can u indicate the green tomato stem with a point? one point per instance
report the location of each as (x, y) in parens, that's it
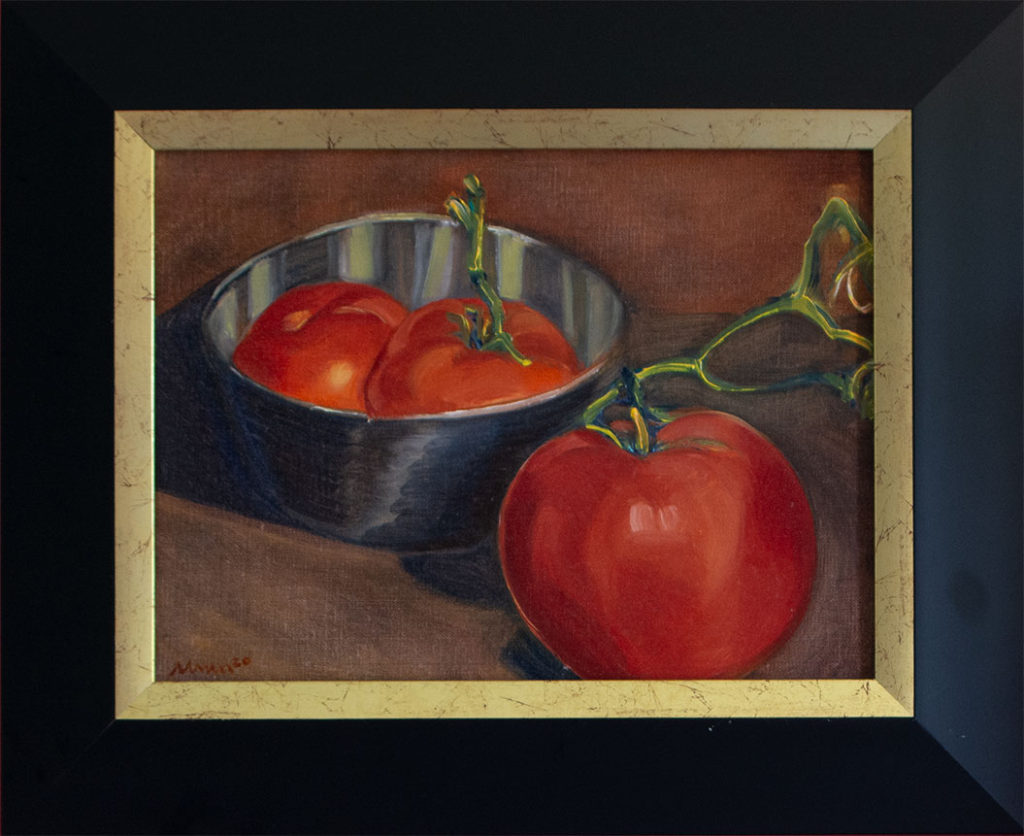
(643, 435)
(470, 213)
(804, 298)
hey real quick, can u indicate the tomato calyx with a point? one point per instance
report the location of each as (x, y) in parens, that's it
(483, 333)
(475, 329)
(468, 327)
(637, 431)
(638, 435)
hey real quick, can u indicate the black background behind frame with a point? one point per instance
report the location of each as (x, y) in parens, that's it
(68, 769)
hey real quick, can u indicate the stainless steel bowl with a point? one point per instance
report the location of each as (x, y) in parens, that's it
(415, 483)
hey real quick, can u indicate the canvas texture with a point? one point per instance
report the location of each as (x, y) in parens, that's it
(690, 238)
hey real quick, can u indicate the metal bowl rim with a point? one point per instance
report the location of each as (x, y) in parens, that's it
(592, 371)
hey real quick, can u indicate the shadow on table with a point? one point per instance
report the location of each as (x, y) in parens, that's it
(473, 575)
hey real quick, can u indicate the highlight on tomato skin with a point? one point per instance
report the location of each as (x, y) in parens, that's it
(317, 343)
(426, 368)
(695, 561)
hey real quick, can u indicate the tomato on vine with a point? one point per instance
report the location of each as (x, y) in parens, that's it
(692, 560)
(668, 544)
(455, 354)
(429, 367)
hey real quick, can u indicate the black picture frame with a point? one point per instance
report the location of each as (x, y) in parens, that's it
(68, 768)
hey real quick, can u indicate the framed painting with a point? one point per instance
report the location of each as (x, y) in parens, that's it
(433, 633)
(898, 710)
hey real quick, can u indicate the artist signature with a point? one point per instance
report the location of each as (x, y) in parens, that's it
(207, 668)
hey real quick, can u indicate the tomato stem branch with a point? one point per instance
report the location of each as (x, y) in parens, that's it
(804, 298)
(491, 336)
(643, 435)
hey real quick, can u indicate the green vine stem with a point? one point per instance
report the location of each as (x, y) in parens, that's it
(487, 334)
(804, 298)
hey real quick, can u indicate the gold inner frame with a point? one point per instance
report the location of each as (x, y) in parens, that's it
(138, 135)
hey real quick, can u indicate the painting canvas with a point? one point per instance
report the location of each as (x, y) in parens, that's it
(643, 236)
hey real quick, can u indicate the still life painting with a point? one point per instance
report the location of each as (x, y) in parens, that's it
(526, 414)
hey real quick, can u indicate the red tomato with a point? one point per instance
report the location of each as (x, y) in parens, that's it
(692, 562)
(318, 342)
(427, 368)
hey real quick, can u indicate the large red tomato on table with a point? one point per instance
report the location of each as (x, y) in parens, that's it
(693, 561)
(318, 342)
(428, 368)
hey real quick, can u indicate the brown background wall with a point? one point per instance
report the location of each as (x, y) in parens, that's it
(677, 231)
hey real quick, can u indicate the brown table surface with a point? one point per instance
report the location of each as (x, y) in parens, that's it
(243, 594)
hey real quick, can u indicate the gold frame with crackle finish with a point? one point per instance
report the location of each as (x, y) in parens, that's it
(139, 135)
